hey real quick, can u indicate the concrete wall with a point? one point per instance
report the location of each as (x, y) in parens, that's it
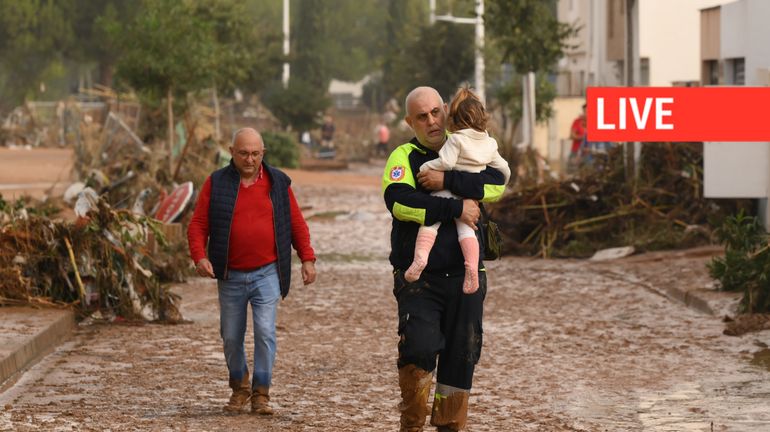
(669, 35)
(731, 169)
(552, 138)
(757, 41)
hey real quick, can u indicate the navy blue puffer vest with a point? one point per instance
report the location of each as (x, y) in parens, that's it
(225, 183)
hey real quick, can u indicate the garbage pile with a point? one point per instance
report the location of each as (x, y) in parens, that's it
(114, 257)
(108, 263)
(598, 208)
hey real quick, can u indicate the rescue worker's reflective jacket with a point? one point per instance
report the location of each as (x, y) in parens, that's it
(411, 205)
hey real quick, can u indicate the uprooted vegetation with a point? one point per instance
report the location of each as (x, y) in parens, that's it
(112, 262)
(598, 208)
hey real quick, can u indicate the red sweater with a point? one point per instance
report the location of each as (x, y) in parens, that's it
(252, 238)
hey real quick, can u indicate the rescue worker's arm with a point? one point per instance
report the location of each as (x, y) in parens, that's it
(408, 204)
(486, 186)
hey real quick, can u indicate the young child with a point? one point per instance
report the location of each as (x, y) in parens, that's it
(469, 148)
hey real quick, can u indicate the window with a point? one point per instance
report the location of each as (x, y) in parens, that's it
(710, 72)
(644, 71)
(735, 71)
(739, 71)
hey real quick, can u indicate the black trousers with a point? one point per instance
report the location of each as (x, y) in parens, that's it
(438, 323)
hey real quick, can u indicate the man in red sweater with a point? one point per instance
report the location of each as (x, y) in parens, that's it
(248, 215)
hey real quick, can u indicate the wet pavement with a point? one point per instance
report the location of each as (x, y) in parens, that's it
(568, 346)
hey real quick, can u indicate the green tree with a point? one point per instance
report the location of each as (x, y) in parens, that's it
(526, 35)
(33, 36)
(354, 39)
(443, 57)
(298, 105)
(173, 48)
(95, 26)
(405, 19)
(330, 39)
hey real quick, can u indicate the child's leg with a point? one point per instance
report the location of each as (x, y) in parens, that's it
(470, 247)
(426, 236)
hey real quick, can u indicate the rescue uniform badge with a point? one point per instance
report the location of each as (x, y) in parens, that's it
(397, 173)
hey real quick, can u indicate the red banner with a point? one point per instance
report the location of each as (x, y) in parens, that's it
(678, 114)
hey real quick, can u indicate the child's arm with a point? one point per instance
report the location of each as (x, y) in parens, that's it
(447, 156)
(501, 165)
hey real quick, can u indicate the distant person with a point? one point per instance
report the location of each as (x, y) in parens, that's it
(248, 216)
(327, 133)
(469, 148)
(383, 138)
(577, 134)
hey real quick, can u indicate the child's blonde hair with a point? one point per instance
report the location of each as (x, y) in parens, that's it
(467, 112)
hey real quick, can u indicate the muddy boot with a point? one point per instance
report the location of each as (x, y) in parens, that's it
(415, 389)
(423, 245)
(260, 401)
(241, 395)
(450, 412)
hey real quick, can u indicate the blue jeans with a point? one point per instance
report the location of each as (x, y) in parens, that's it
(261, 289)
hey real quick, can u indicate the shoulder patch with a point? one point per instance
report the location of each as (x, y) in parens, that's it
(397, 173)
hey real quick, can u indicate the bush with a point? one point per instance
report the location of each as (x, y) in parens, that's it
(746, 264)
(281, 149)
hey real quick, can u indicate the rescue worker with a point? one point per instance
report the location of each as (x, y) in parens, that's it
(440, 327)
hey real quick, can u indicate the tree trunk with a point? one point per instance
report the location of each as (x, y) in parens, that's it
(217, 126)
(106, 72)
(170, 102)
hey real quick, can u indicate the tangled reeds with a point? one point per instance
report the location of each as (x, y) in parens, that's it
(99, 263)
(598, 208)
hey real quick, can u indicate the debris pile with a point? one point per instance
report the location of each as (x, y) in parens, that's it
(100, 264)
(598, 208)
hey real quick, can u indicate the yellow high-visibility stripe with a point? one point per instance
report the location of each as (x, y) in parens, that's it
(409, 214)
(493, 192)
(398, 169)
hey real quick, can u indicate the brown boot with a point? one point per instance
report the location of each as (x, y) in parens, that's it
(260, 402)
(415, 389)
(241, 395)
(450, 413)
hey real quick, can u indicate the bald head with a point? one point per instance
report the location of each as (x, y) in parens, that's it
(426, 115)
(245, 132)
(423, 92)
(247, 150)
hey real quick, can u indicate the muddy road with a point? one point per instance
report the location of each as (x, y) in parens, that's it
(568, 346)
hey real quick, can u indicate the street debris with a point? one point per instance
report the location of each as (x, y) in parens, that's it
(114, 255)
(613, 253)
(99, 263)
(599, 208)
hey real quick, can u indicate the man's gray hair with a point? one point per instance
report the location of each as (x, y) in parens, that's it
(419, 91)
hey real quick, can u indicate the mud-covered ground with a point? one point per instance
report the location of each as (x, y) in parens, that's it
(568, 346)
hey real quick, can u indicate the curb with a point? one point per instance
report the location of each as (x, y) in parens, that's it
(689, 298)
(40, 332)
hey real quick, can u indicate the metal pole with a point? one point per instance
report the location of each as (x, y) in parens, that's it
(632, 150)
(285, 77)
(478, 21)
(432, 6)
(479, 69)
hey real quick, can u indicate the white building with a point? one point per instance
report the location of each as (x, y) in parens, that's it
(668, 35)
(668, 38)
(735, 51)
